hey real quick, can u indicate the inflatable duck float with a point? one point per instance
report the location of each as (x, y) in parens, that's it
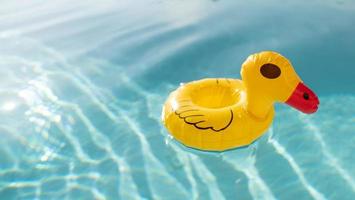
(218, 114)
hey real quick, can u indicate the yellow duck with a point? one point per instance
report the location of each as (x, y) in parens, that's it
(218, 114)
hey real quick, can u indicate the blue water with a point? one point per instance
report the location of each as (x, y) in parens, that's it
(82, 86)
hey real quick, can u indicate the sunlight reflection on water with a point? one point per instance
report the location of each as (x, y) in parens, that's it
(83, 83)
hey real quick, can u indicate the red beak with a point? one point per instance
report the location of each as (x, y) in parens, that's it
(303, 99)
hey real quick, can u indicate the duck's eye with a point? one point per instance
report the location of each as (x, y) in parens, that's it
(306, 96)
(270, 71)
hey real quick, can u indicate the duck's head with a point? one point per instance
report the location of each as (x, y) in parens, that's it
(270, 77)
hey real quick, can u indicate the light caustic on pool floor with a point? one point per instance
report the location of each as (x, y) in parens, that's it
(59, 156)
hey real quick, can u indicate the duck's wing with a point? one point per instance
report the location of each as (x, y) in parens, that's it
(202, 118)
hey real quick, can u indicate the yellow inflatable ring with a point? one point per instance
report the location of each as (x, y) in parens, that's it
(217, 114)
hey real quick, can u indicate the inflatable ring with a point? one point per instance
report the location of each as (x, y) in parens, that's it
(217, 114)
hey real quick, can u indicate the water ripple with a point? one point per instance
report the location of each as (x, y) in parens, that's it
(283, 152)
(82, 88)
(332, 159)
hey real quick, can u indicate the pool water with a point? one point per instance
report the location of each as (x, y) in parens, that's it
(83, 83)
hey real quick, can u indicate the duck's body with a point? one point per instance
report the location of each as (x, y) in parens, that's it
(210, 114)
(220, 114)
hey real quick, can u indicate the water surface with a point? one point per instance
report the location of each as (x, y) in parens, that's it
(82, 85)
